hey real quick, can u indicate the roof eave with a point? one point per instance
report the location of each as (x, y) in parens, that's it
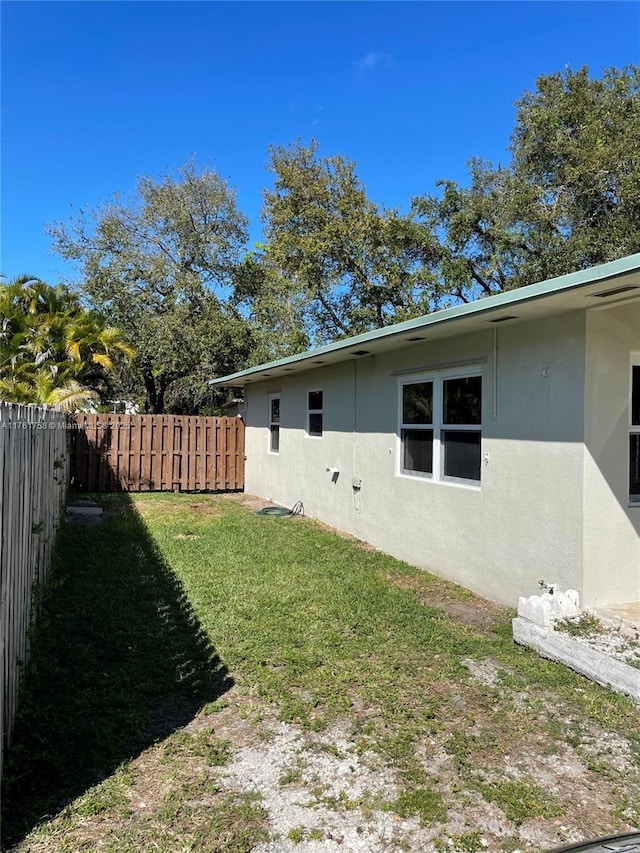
(564, 283)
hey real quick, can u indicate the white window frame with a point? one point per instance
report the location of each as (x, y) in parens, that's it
(314, 412)
(415, 379)
(438, 426)
(634, 429)
(272, 423)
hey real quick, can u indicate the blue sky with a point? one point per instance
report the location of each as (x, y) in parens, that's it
(97, 93)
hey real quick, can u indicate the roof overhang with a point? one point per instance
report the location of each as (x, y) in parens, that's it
(601, 286)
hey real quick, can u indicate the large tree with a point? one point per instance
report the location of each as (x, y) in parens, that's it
(52, 350)
(569, 198)
(353, 265)
(160, 266)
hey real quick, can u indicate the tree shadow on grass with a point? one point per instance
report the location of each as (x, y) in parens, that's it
(118, 662)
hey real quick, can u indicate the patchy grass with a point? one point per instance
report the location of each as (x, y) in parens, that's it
(585, 625)
(296, 834)
(119, 660)
(425, 803)
(201, 744)
(518, 800)
(127, 727)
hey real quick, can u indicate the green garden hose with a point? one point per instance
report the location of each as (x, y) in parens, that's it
(281, 511)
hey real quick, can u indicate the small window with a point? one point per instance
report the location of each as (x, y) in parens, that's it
(462, 408)
(462, 402)
(274, 424)
(634, 434)
(314, 408)
(416, 430)
(461, 454)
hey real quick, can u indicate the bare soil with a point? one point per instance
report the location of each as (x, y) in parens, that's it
(322, 793)
(476, 612)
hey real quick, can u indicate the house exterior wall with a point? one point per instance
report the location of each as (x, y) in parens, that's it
(525, 520)
(612, 527)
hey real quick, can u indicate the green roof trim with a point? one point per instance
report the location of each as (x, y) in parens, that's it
(560, 284)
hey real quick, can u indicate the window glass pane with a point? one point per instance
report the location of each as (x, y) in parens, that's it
(635, 395)
(275, 410)
(315, 424)
(275, 438)
(315, 399)
(461, 454)
(417, 450)
(634, 467)
(417, 403)
(462, 402)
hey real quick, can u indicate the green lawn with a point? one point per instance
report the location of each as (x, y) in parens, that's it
(184, 608)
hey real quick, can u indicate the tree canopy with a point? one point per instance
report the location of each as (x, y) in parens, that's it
(355, 265)
(160, 265)
(568, 199)
(51, 349)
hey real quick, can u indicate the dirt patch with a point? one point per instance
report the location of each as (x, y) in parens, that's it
(207, 506)
(343, 535)
(475, 612)
(322, 792)
(252, 502)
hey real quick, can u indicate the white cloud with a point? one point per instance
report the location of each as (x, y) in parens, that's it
(374, 60)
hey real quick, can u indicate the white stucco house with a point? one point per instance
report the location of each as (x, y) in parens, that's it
(495, 443)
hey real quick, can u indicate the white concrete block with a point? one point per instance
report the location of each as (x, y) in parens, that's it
(548, 607)
(590, 662)
(536, 609)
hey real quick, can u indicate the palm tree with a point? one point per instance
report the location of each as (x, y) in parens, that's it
(53, 351)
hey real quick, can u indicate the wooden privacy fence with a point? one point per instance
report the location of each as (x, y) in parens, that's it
(154, 453)
(33, 479)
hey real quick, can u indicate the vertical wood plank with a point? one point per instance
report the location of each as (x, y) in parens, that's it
(145, 453)
(184, 454)
(176, 446)
(166, 457)
(133, 472)
(206, 429)
(155, 479)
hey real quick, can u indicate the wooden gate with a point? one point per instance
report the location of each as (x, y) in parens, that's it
(155, 453)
